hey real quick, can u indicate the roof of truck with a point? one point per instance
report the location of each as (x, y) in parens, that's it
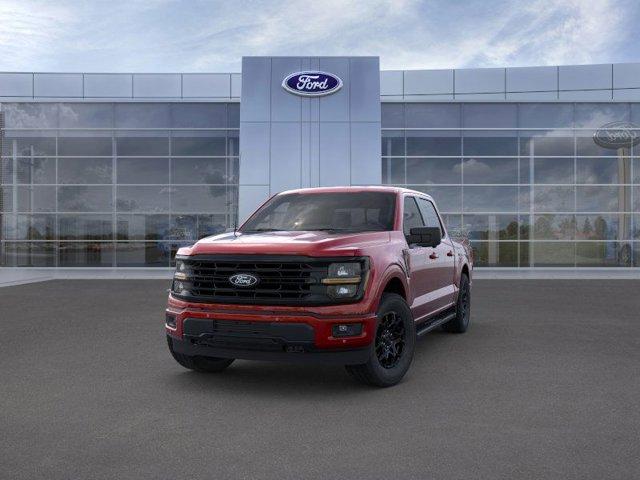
(375, 188)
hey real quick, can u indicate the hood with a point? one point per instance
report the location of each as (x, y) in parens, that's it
(287, 243)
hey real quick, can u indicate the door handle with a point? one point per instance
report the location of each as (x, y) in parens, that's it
(450, 253)
(433, 256)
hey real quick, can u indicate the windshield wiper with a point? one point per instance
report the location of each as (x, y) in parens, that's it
(260, 230)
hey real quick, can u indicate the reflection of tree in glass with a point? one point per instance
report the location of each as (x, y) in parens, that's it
(600, 228)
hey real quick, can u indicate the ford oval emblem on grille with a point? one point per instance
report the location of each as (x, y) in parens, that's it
(243, 280)
(312, 83)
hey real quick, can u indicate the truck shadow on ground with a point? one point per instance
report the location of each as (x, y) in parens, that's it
(294, 380)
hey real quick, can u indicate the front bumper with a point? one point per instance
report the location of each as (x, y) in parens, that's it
(268, 333)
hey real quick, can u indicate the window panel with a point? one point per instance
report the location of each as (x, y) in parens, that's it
(184, 227)
(145, 146)
(432, 115)
(554, 199)
(434, 170)
(491, 227)
(90, 146)
(37, 254)
(490, 115)
(553, 254)
(546, 144)
(603, 170)
(85, 254)
(6, 199)
(393, 171)
(495, 254)
(83, 115)
(233, 115)
(142, 170)
(545, 115)
(585, 145)
(411, 217)
(85, 199)
(602, 226)
(603, 254)
(6, 170)
(36, 199)
(85, 170)
(392, 143)
(36, 170)
(142, 115)
(636, 170)
(199, 115)
(199, 170)
(31, 146)
(199, 199)
(211, 225)
(392, 115)
(233, 143)
(142, 227)
(554, 227)
(490, 170)
(139, 254)
(553, 170)
(447, 199)
(598, 114)
(30, 115)
(212, 145)
(152, 199)
(429, 214)
(34, 227)
(491, 143)
(490, 199)
(85, 227)
(603, 199)
(427, 144)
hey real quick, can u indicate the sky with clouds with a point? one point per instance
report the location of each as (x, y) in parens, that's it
(212, 36)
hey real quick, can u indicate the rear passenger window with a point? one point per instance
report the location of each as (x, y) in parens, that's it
(412, 217)
(429, 214)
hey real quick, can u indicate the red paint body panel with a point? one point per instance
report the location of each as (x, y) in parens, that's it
(429, 276)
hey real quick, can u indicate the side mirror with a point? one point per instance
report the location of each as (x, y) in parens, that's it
(425, 236)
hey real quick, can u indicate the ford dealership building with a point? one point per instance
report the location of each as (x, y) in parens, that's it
(539, 166)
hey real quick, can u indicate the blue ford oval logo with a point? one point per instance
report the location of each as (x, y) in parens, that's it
(312, 83)
(243, 280)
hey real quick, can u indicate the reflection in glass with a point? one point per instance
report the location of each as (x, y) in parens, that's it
(200, 199)
(36, 199)
(199, 170)
(392, 143)
(426, 144)
(434, 170)
(495, 254)
(129, 254)
(139, 198)
(146, 146)
(447, 199)
(83, 115)
(545, 115)
(491, 227)
(85, 170)
(490, 143)
(85, 227)
(490, 115)
(37, 254)
(432, 115)
(490, 170)
(142, 227)
(205, 146)
(85, 199)
(93, 146)
(32, 146)
(142, 115)
(553, 170)
(393, 171)
(490, 199)
(36, 170)
(199, 115)
(30, 115)
(603, 199)
(392, 115)
(82, 254)
(142, 170)
(553, 254)
(554, 227)
(554, 199)
(603, 254)
(34, 227)
(546, 144)
(603, 170)
(602, 226)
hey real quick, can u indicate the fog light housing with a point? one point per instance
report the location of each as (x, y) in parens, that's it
(170, 320)
(346, 330)
(342, 291)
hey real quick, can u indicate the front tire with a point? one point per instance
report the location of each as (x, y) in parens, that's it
(460, 323)
(199, 364)
(393, 346)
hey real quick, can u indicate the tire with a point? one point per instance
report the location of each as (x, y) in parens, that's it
(199, 364)
(393, 347)
(460, 323)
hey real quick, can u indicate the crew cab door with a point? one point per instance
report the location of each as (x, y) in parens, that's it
(442, 260)
(421, 278)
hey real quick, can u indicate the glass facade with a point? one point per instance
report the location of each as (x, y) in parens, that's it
(525, 181)
(114, 184)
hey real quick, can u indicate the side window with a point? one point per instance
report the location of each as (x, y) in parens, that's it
(429, 214)
(412, 217)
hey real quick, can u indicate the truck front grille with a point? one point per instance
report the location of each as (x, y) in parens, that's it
(281, 279)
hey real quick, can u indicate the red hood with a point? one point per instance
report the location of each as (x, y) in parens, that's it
(287, 243)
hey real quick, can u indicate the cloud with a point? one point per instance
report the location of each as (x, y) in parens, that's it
(166, 35)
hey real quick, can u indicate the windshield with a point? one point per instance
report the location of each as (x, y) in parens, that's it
(342, 211)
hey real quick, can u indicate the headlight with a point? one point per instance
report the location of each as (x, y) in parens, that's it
(343, 279)
(181, 282)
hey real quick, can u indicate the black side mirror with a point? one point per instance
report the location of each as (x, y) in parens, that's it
(425, 236)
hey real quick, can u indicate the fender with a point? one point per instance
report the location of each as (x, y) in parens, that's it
(395, 270)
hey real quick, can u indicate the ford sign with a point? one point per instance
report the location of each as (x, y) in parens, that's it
(312, 84)
(617, 135)
(243, 280)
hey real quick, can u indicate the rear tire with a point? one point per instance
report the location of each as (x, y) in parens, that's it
(393, 347)
(463, 308)
(199, 364)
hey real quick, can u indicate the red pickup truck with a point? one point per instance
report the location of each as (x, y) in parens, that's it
(342, 275)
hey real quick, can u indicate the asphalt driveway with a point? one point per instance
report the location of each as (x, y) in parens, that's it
(545, 384)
